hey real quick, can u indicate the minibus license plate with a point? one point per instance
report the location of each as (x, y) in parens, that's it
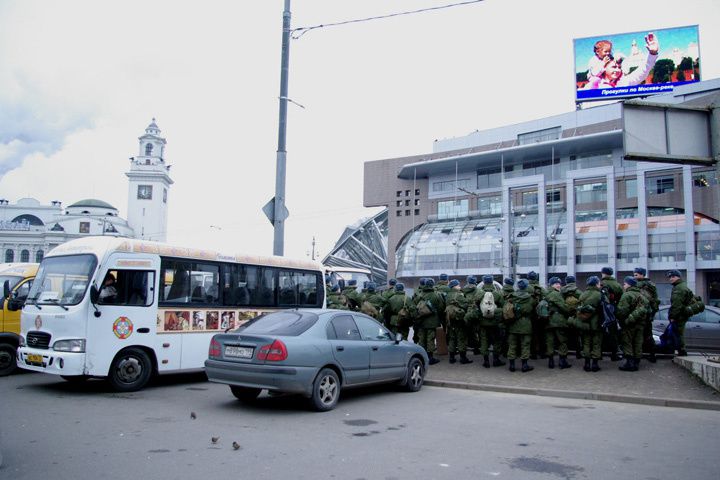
(32, 358)
(238, 352)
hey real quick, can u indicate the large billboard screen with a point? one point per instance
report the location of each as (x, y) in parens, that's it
(636, 64)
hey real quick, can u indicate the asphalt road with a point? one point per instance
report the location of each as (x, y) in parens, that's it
(53, 429)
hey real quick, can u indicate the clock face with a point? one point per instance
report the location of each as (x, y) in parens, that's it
(144, 192)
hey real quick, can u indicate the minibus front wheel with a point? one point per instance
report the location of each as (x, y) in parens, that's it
(130, 370)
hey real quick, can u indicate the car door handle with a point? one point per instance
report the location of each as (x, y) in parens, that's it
(375, 348)
(340, 348)
(697, 326)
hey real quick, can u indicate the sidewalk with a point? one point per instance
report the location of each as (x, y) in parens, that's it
(662, 383)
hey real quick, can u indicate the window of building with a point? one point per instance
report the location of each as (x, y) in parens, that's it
(417, 191)
(705, 179)
(591, 193)
(9, 256)
(398, 203)
(453, 209)
(449, 186)
(489, 178)
(39, 255)
(490, 205)
(407, 203)
(144, 192)
(530, 199)
(659, 185)
(407, 213)
(84, 227)
(25, 256)
(667, 247)
(631, 188)
(407, 193)
(539, 136)
(398, 193)
(148, 149)
(398, 213)
(417, 211)
(552, 196)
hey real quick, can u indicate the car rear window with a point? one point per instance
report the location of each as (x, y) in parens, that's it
(289, 324)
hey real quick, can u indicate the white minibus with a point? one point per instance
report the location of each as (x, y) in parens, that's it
(128, 309)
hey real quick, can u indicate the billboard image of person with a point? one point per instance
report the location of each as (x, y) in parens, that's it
(636, 64)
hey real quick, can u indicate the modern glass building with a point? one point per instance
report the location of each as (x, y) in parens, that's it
(556, 196)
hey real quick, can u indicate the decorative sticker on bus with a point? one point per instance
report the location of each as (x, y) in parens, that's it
(122, 328)
(177, 321)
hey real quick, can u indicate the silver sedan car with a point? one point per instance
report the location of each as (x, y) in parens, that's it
(313, 352)
(702, 331)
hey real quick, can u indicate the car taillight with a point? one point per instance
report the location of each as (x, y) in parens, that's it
(214, 350)
(275, 352)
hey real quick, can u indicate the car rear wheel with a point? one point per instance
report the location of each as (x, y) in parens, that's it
(326, 390)
(130, 371)
(415, 375)
(7, 360)
(245, 394)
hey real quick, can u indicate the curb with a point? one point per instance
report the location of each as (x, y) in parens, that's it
(603, 397)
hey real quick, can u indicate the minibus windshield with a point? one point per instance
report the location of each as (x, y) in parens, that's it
(62, 280)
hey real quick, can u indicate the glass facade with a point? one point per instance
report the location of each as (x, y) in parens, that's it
(453, 209)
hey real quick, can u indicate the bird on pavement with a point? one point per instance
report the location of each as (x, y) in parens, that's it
(214, 439)
(236, 446)
(193, 415)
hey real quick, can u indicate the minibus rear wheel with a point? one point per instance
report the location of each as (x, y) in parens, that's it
(130, 371)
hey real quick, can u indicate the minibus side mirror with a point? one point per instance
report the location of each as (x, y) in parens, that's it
(6, 289)
(94, 294)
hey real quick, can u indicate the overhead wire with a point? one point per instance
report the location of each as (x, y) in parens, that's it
(298, 32)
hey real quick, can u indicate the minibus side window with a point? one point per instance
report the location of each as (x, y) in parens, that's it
(128, 287)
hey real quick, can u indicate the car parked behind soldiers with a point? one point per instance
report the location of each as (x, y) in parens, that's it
(589, 321)
(614, 292)
(556, 329)
(571, 294)
(520, 325)
(490, 302)
(632, 314)
(455, 308)
(430, 309)
(649, 290)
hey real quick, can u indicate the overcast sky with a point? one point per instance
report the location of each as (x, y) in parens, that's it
(80, 81)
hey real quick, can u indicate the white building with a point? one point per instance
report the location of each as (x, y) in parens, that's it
(29, 229)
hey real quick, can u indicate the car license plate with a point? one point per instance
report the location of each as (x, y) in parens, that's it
(238, 352)
(32, 358)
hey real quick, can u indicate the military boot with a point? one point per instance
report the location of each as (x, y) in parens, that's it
(497, 361)
(652, 358)
(486, 361)
(635, 364)
(564, 363)
(595, 367)
(512, 365)
(452, 358)
(464, 359)
(526, 367)
(551, 361)
(614, 357)
(627, 365)
(433, 360)
(587, 365)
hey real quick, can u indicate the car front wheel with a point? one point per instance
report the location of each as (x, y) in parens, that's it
(415, 375)
(326, 390)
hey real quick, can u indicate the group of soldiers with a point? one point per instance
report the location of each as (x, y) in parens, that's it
(522, 319)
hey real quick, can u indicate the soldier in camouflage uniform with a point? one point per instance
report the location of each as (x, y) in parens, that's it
(455, 307)
(571, 294)
(589, 320)
(632, 315)
(390, 290)
(507, 290)
(557, 325)
(350, 291)
(538, 324)
(615, 292)
(472, 314)
(442, 285)
(680, 299)
(520, 329)
(430, 308)
(648, 289)
(336, 300)
(488, 328)
(397, 302)
(373, 303)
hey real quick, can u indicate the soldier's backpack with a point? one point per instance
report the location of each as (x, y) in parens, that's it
(424, 308)
(572, 302)
(369, 309)
(454, 315)
(696, 305)
(405, 316)
(487, 305)
(543, 309)
(509, 311)
(649, 291)
(608, 308)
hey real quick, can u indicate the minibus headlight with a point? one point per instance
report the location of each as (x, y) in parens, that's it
(75, 345)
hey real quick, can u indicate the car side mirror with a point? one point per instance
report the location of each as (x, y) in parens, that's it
(398, 338)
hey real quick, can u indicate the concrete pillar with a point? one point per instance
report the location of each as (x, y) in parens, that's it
(612, 224)
(570, 224)
(506, 239)
(642, 220)
(542, 232)
(690, 264)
